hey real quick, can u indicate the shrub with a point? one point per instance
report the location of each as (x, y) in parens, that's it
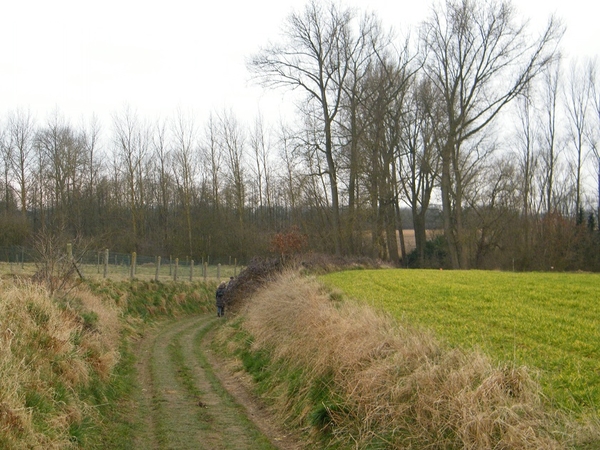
(256, 274)
(288, 243)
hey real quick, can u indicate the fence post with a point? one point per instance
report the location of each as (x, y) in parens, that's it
(22, 257)
(157, 268)
(70, 251)
(170, 265)
(191, 270)
(219, 272)
(133, 261)
(105, 262)
(176, 266)
(205, 270)
(235, 268)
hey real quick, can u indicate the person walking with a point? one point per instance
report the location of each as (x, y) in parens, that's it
(220, 295)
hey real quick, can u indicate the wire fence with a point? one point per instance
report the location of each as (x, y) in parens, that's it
(99, 264)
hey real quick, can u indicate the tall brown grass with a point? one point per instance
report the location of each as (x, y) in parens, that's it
(49, 350)
(387, 385)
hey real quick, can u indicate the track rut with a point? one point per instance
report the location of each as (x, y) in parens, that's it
(189, 399)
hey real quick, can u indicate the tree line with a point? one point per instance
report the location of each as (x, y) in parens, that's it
(475, 119)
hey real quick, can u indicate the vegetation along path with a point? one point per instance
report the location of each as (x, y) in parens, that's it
(188, 400)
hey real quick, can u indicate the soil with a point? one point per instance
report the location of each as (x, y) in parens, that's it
(191, 399)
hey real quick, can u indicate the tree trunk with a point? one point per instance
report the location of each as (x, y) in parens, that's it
(447, 209)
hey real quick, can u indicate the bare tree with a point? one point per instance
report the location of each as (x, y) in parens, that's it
(578, 99)
(313, 58)
(63, 158)
(493, 219)
(6, 152)
(131, 152)
(260, 145)
(162, 157)
(382, 112)
(232, 141)
(213, 160)
(594, 136)
(90, 136)
(19, 151)
(550, 149)
(526, 155)
(368, 48)
(185, 168)
(480, 59)
(315, 197)
(418, 159)
(290, 176)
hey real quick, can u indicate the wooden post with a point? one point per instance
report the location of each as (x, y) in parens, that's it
(175, 271)
(133, 261)
(219, 272)
(235, 268)
(205, 270)
(170, 265)
(105, 262)
(72, 260)
(157, 268)
(22, 257)
(192, 270)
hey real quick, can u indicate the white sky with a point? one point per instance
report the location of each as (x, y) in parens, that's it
(86, 57)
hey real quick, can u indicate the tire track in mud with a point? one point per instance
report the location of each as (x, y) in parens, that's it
(182, 403)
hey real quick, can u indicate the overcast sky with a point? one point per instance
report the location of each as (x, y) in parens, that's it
(89, 57)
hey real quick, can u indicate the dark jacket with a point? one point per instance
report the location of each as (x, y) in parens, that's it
(221, 296)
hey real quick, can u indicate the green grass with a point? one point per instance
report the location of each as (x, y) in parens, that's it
(116, 427)
(259, 439)
(549, 322)
(152, 300)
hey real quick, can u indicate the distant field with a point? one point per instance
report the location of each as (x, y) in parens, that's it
(549, 322)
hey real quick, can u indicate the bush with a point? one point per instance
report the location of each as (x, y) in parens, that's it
(435, 255)
(256, 274)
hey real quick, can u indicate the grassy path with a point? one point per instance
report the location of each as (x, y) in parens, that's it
(182, 403)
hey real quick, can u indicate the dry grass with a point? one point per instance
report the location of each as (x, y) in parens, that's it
(48, 351)
(103, 335)
(388, 386)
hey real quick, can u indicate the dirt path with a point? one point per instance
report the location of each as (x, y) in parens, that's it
(191, 400)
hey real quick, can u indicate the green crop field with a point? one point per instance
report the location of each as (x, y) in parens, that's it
(549, 322)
